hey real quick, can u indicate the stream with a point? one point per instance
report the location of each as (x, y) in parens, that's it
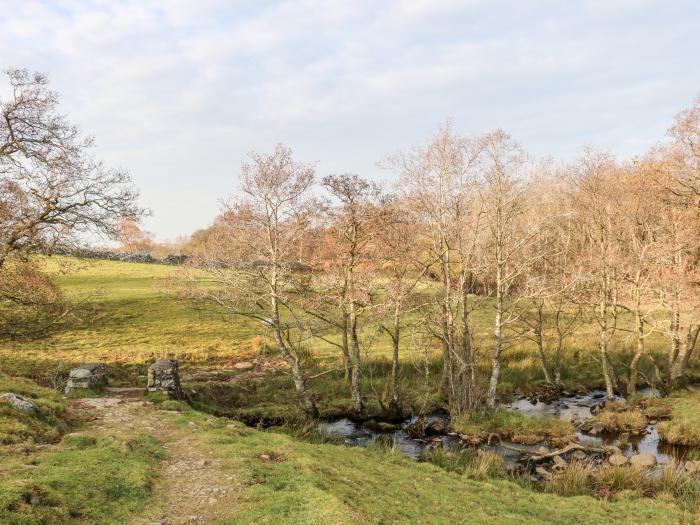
(565, 408)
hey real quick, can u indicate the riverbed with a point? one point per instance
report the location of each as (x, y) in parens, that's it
(567, 408)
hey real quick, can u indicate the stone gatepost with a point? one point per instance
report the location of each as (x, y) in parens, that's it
(164, 376)
(90, 375)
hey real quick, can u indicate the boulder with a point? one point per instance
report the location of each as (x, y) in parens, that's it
(165, 376)
(559, 462)
(543, 472)
(244, 365)
(692, 467)
(21, 403)
(435, 428)
(579, 455)
(380, 426)
(617, 460)
(644, 459)
(89, 375)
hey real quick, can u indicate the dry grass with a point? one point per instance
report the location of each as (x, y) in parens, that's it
(572, 480)
(684, 427)
(632, 421)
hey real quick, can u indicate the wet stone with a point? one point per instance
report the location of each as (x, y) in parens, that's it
(559, 462)
(692, 467)
(617, 460)
(164, 376)
(89, 375)
(645, 459)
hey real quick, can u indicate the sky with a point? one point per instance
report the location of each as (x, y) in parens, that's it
(177, 92)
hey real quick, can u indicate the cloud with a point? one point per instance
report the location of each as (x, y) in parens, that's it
(177, 91)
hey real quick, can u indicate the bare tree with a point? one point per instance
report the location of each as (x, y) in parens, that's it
(549, 316)
(506, 201)
(51, 189)
(248, 264)
(595, 198)
(133, 238)
(439, 183)
(353, 220)
(398, 242)
(52, 194)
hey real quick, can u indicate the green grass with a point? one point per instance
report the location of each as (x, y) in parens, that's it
(684, 426)
(322, 483)
(126, 320)
(16, 427)
(519, 428)
(84, 480)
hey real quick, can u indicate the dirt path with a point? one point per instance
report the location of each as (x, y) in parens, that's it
(193, 486)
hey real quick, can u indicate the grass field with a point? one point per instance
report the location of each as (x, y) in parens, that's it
(126, 320)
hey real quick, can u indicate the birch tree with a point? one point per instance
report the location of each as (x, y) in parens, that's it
(249, 264)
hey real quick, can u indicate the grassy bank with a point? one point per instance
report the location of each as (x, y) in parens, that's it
(16, 427)
(291, 481)
(85, 480)
(684, 426)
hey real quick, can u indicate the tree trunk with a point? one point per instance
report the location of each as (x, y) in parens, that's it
(355, 360)
(675, 347)
(302, 390)
(634, 365)
(498, 343)
(679, 366)
(540, 347)
(291, 357)
(346, 349)
(395, 356)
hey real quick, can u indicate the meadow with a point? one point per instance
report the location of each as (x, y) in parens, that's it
(126, 320)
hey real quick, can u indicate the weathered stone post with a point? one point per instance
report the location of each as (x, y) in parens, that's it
(89, 375)
(164, 376)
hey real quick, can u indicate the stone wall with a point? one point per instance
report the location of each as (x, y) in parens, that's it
(165, 376)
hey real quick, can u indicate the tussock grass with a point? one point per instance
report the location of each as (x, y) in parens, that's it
(632, 421)
(609, 481)
(512, 425)
(684, 426)
(475, 464)
(572, 480)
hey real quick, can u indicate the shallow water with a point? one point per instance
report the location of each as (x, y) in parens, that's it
(566, 408)
(356, 434)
